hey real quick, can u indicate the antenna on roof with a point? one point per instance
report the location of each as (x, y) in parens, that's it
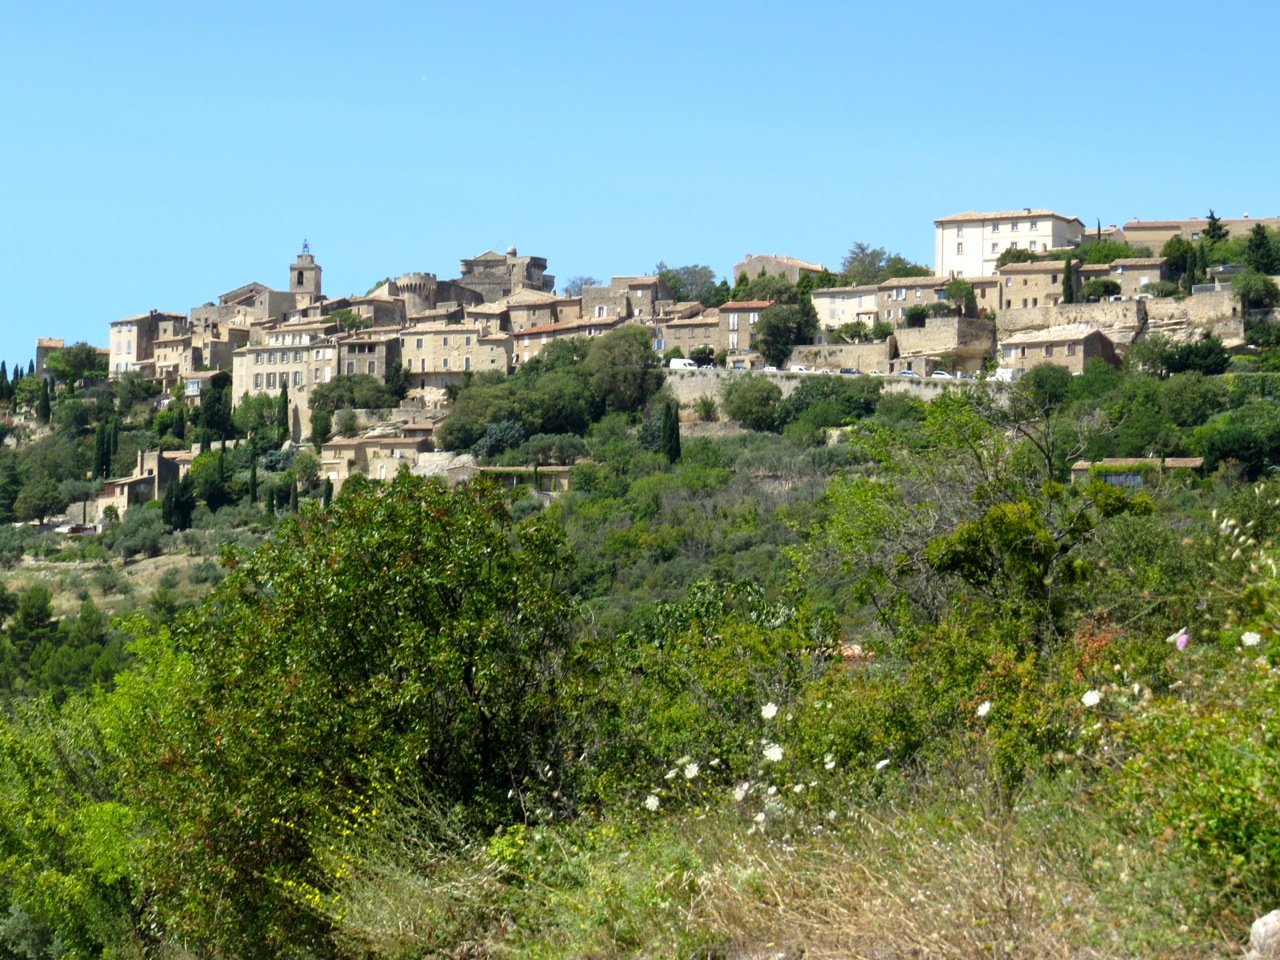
(306, 247)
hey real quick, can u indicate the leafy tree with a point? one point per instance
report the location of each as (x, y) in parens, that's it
(959, 293)
(350, 320)
(179, 502)
(703, 356)
(573, 286)
(75, 362)
(780, 328)
(215, 409)
(1047, 385)
(497, 437)
(916, 317)
(1181, 254)
(39, 499)
(432, 662)
(864, 264)
(692, 282)
(1016, 255)
(881, 330)
(1255, 290)
(752, 401)
(624, 371)
(397, 381)
(1099, 288)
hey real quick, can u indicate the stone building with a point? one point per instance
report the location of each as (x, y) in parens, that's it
(494, 275)
(371, 352)
(774, 265)
(968, 244)
(1134, 274)
(838, 306)
(438, 354)
(966, 341)
(1025, 285)
(132, 342)
(1070, 346)
(625, 298)
(1156, 233)
(739, 318)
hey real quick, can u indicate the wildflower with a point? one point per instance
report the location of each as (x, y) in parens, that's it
(769, 711)
(798, 788)
(740, 791)
(772, 752)
(983, 708)
(882, 764)
(771, 791)
(760, 817)
(829, 761)
(651, 802)
(671, 773)
(1178, 637)
(690, 771)
(1091, 699)
(1251, 639)
(1137, 689)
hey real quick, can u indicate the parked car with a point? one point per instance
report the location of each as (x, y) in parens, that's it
(909, 373)
(850, 371)
(942, 375)
(681, 363)
(875, 373)
(800, 368)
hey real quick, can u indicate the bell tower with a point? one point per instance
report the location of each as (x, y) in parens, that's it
(304, 275)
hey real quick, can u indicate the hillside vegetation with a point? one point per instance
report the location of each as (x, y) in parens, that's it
(912, 691)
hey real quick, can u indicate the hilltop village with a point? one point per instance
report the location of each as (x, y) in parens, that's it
(1008, 290)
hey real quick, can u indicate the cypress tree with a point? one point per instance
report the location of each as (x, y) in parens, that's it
(328, 492)
(4, 382)
(100, 459)
(253, 480)
(282, 415)
(293, 497)
(671, 431)
(1068, 285)
(31, 368)
(42, 405)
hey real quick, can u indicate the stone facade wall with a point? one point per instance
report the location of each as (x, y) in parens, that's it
(959, 336)
(847, 356)
(1123, 313)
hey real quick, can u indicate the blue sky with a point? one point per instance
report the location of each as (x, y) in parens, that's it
(158, 154)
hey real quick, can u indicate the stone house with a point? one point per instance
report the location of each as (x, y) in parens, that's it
(837, 306)
(1070, 346)
(774, 265)
(438, 354)
(1156, 233)
(132, 342)
(372, 352)
(706, 328)
(1026, 285)
(739, 319)
(1133, 274)
(625, 298)
(493, 275)
(967, 341)
(528, 343)
(1131, 471)
(378, 458)
(968, 244)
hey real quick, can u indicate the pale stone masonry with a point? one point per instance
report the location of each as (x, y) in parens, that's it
(774, 265)
(968, 244)
(1070, 346)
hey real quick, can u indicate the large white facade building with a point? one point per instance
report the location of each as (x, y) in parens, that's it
(968, 244)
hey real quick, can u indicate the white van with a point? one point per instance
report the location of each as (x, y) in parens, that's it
(681, 363)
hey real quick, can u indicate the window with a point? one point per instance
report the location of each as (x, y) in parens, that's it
(419, 343)
(444, 363)
(1007, 352)
(257, 381)
(1008, 281)
(1035, 224)
(351, 366)
(446, 341)
(1048, 349)
(1013, 245)
(297, 356)
(1035, 301)
(271, 357)
(755, 317)
(468, 341)
(995, 248)
(373, 366)
(600, 312)
(733, 321)
(257, 358)
(316, 379)
(1013, 228)
(299, 278)
(1071, 349)
(271, 381)
(1053, 278)
(1031, 245)
(995, 228)
(466, 363)
(1024, 301)
(959, 249)
(297, 378)
(1022, 352)
(959, 231)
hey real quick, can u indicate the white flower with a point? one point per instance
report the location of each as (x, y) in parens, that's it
(983, 708)
(1137, 689)
(690, 771)
(829, 761)
(772, 752)
(1091, 699)
(798, 788)
(882, 764)
(760, 817)
(771, 791)
(769, 711)
(651, 802)
(670, 773)
(715, 762)
(1251, 639)
(740, 791)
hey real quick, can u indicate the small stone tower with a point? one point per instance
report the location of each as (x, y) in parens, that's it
(304, 275)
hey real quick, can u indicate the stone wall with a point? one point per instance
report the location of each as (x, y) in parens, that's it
(959, 336)
(851, 356)
(1121, 313)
